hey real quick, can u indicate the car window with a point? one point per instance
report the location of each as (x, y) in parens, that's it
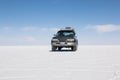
(66, 33)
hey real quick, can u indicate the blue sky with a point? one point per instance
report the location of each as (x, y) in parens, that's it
(33, 22)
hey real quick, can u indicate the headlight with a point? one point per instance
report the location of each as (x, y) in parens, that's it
(70, 40)
(55, 40)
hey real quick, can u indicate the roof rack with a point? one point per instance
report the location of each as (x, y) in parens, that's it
(66, 28)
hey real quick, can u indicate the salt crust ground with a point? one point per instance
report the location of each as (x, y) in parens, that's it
(40, 63)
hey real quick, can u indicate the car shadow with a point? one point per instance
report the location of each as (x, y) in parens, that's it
(62, 51)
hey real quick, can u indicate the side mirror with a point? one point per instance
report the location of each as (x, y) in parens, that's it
(54, 35)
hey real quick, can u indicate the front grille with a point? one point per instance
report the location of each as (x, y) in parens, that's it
(62, 40)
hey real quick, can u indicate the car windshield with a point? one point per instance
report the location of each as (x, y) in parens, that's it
(65, 33)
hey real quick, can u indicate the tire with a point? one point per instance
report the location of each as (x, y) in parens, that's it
(54, 48)
(59, 48)
(74, 48)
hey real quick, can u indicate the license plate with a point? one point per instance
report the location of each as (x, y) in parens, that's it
(62, 42)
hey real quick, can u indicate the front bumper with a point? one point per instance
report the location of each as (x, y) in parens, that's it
(64, 44)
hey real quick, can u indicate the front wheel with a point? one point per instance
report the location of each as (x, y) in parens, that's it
(59, 48)
(54, 48)
(74, 48)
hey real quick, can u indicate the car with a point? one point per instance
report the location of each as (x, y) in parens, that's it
(64, 38)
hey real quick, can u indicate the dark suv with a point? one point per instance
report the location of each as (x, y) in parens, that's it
(64, 38)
